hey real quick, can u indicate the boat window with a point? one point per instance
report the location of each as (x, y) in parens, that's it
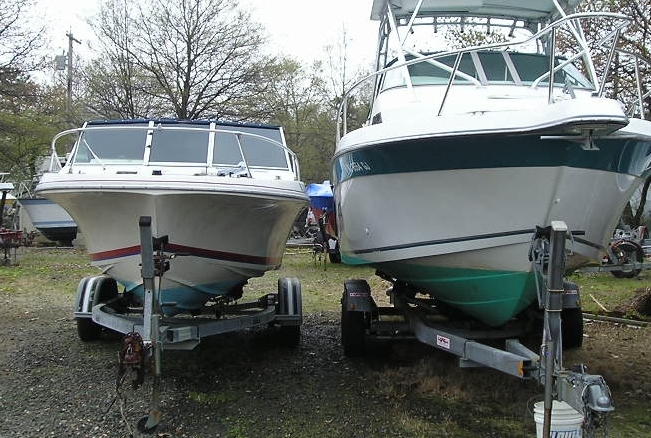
(179, 145)
(495, 67)
(529, 66)
(227, 150)
(106, 144)
(257, 151)
(427, 73)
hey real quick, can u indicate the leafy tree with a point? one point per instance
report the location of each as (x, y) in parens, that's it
(28, 111)
(28, 124)
(459, 37)
(622, 81)
(295, 98)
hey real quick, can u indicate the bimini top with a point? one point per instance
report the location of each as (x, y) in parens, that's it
(530, 10)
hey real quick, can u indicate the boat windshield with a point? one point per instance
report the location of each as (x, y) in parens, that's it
(257, 151)
(488, 67)
(107, 144)
(183, 143)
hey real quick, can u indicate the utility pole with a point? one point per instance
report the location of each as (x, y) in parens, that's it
(70, 40)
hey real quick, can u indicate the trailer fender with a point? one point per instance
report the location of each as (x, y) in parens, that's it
(290, 301)
(357, 297)
(92, 291)
(571, 295)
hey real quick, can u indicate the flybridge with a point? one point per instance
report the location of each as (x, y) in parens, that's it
(530, 10)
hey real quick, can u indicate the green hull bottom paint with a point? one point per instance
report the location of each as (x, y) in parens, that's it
(492, 297)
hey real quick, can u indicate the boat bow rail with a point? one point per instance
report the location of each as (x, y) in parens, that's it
(177, 147)
(445, 81)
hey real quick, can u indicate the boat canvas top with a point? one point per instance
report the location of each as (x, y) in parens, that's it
(198, 122)
(529, 10)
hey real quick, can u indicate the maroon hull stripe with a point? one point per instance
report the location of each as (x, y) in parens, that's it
(189, 250)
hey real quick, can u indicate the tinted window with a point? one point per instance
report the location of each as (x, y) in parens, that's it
(258, 152)
(111, 144)
(179, 145)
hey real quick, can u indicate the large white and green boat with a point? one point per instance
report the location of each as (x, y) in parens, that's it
(466, 151)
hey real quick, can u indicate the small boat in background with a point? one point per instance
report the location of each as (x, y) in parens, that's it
(222, 198)
(50, 219)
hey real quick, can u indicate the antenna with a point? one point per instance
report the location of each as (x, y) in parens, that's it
(71, 38)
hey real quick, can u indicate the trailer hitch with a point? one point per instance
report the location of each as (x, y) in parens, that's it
(132, 358)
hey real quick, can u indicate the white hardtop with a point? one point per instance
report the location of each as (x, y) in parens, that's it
(530, 10)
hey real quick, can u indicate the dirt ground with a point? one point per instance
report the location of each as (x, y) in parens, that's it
(247, 385)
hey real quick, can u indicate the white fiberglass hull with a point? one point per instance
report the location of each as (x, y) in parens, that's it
(460, 217)
(453, 216)
(224, 230)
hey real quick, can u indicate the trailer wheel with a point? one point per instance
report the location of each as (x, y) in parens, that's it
(572, 324)
(628, 252)
(290, 335)
(88, 330)
(353, 329)
(334, 256)
(97, 290)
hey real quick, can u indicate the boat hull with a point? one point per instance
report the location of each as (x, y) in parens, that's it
(50, 219)
(456, 222)
(222, 232)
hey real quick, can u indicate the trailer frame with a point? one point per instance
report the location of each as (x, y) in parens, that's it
(588, 394)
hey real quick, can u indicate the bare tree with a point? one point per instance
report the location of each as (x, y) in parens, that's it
(20, 41)
(190, 58)
(113, 82)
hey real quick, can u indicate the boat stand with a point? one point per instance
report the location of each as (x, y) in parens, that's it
(147, 332)
(410, 317)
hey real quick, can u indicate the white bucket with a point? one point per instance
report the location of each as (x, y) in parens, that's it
(566, 422)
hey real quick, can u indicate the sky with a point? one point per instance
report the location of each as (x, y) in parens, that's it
(298, 28)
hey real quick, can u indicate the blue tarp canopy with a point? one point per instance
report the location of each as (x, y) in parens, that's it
(320, 196)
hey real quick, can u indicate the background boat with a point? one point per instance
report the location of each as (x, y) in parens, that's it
(50, 219)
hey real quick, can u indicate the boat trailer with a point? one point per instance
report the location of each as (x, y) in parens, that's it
(148, 333)
(588, 394)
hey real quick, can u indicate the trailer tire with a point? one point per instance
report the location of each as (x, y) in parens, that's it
(353, 329)
(88, 330)
(290, 335)
(572, 325)
(628, 252)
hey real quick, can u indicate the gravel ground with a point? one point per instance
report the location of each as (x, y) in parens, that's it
(246, 384)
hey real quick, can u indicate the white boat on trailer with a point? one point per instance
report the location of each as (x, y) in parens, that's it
(181, 214)
(468, 157)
